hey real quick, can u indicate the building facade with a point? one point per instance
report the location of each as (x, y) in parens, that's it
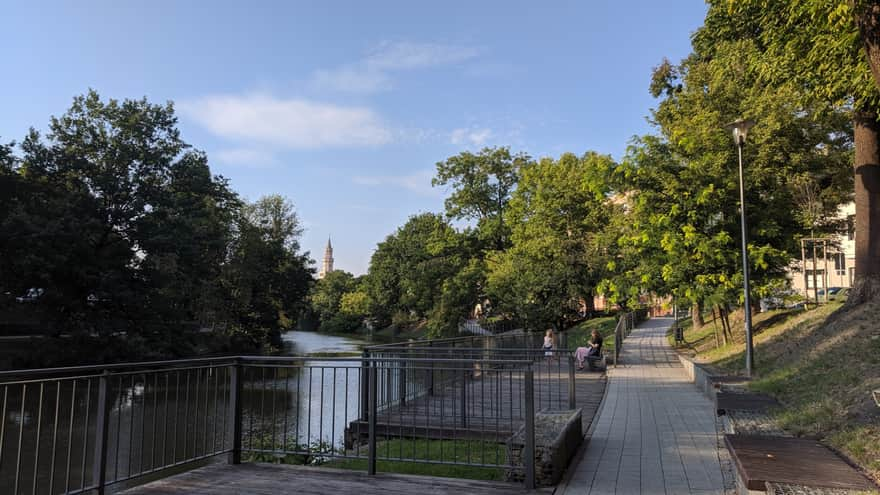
(826, 262)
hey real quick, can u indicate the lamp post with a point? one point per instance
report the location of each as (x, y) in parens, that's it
(740, 129)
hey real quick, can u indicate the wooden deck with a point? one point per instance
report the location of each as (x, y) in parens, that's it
(490, 408)
(274, 479)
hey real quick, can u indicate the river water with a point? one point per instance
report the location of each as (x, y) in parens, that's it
(159, 419)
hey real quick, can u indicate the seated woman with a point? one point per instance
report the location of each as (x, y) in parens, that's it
(593, 351)
(595, 344)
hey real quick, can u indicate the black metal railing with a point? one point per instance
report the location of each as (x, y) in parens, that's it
(626, 322)
(84, 429)
(554, 372)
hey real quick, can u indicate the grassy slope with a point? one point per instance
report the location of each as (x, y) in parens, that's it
(579, 335)
(821, 364)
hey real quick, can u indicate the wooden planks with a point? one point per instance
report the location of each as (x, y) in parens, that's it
(800, 461)
(273, 479)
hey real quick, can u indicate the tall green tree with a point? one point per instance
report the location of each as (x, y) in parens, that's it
(326, 296)
(557, 215)
(830, 51)
(481, 187)
(184, 240)
(267, 278)
(688, 180)
(409, 267)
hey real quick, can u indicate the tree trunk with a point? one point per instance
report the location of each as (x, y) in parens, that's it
(697, 315)
(723, 312)
(866, 283)
(715, 329)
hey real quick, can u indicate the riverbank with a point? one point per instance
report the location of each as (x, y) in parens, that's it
(821, 364)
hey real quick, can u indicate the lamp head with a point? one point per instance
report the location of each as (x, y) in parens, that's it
(740, 128)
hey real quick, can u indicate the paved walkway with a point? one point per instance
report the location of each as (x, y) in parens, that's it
(655, 433)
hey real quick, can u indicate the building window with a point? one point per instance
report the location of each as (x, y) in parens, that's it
(851, 227)
(839, 264)
(820, 278)
(852, 275)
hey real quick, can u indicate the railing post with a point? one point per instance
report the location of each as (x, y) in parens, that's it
(463, 400)
(401, 386)
(572, 400)
(102, 425)
(529, 447)
(235, 389)
(372, 401)
(431, 372)
(617, 339)
(365, 385)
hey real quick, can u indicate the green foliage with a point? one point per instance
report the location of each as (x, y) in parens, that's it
(356, 304)
(409, 268)
(266, 281)
(482, 184)
(682, 230)
(112, 205)
(557, 216)
(326, 295)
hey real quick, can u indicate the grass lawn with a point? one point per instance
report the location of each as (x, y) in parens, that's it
(821, 364)
(579, 335)
(435, 450)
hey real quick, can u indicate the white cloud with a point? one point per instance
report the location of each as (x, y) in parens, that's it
(351, 80)
(245, 156)
(287, 123)
(419, 183)
(406, 55)
(472, 136)
(371, 73)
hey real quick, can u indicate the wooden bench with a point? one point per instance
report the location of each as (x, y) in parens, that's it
(597, 363)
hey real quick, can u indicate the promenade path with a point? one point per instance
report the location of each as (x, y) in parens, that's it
(655, 433)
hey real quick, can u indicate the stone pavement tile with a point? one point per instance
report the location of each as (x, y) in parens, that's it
(655, 433)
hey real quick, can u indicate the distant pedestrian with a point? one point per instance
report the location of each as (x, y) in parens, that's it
(548, 345)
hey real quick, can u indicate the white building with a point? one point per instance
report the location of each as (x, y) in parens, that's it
(837, 269)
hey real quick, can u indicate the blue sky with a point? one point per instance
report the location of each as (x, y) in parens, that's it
(345, 107)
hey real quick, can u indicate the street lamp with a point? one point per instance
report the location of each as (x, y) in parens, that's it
(740, 130)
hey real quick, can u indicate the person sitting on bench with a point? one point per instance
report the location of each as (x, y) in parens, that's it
(591, 353)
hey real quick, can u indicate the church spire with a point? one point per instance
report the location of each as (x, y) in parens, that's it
(327, 265)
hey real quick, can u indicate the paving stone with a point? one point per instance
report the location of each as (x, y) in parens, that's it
(656, 433)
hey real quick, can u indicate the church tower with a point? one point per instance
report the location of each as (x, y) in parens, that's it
(327, 266)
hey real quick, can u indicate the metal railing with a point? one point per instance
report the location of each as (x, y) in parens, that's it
(92, 427)
(626, 322)
(484, 327)
(554, 372)
(84, 429)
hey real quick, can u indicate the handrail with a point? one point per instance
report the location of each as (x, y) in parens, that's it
(625, 324)
(447, 340)
(124, 421)
(67, 373)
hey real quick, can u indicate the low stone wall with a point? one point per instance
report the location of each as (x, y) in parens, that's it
(701, 377)
(558, 435)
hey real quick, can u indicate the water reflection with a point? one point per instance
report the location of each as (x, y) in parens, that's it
(298, 343)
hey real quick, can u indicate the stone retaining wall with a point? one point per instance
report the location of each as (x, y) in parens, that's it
(558, 435)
